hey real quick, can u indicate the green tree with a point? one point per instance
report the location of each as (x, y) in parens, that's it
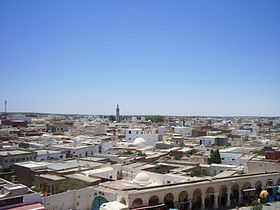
(257, 206)
(215, 157)
(155, 118)
(218, 157)
(112, 118)
(211, 158)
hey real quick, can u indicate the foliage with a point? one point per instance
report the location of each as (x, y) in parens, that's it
(193, 151)
(70, 184)
(141, 154)
(199, 172)
(128, 152)
(257, 206)
(155, 118)
(134, 154)
(112, 118)
(260, 152)
(35, 187)
(215, 157)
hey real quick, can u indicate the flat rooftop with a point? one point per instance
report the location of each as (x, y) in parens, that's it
(45, 152)
(52, 177)
(84, 178)
(14, 152)
(33, 165)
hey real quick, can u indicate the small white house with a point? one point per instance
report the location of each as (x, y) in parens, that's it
(231, 156)
(184, 131)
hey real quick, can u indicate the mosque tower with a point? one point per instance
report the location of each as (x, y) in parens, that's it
(118, 113)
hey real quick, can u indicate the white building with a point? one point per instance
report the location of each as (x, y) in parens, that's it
(79, 150)
(162, 130)
(249, 131)
(231, 156)
(16, 195)
(276, 122)
(94, 129)
(184, 131)
(151, 136)
(43, 155)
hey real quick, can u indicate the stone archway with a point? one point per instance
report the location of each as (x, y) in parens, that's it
(123, 201)
(183, 200)
(223, 195)
(138, 202)
(169, 200)
(278, 182)
(234, 195)
(248, 193)
(258, 187)
(209, 198)
(154, 200)
(196, 201)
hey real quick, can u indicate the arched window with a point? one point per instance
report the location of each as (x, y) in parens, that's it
(138, 202)
(123, 201)
(196, 202)
(223, 196)
(154, 200)
(209, 198)
(169, 200)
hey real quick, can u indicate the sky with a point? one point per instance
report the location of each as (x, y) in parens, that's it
(168, 57)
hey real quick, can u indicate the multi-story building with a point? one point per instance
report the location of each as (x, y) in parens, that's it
(18, 195)
(8, 158)
(42, 155)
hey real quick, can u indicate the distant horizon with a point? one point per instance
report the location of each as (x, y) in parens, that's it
(113, 114)
(202, 58)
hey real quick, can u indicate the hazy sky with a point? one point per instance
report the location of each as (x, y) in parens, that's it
(199, 57)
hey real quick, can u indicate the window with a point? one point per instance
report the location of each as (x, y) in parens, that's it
(11, 201)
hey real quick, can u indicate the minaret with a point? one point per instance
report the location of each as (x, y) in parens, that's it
(5, 106)
(118, 113)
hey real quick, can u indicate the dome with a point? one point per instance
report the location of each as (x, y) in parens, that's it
(142, 179)
(139, 142)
